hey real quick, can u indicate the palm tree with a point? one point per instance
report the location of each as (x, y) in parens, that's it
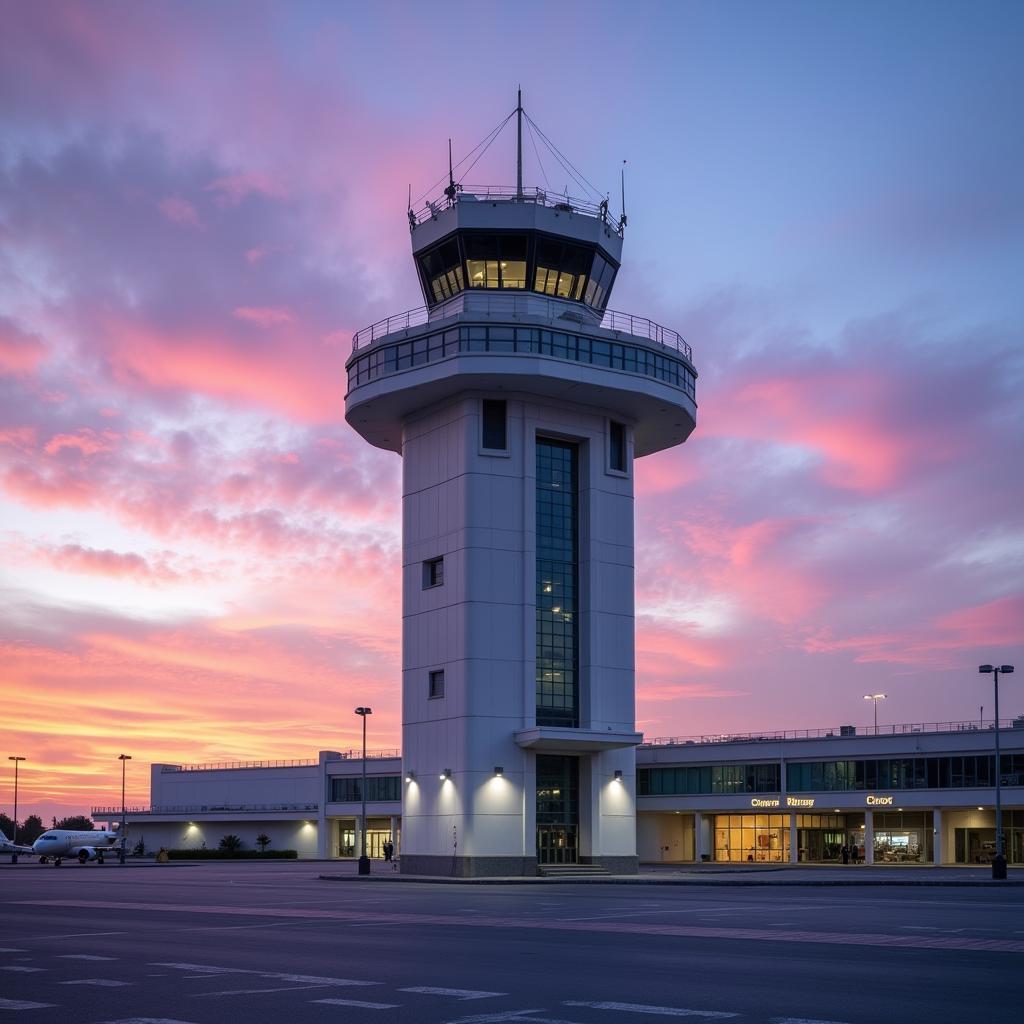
(263, 841)
(230, 844)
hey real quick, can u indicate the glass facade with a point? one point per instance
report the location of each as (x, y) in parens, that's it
(974, 771)
(378, 787)
(752, 837)
(557, 583)
(558, 800)
(544, 263)
(384, 360)
(722, 778)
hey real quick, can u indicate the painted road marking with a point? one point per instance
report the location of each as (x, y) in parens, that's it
(11, 949)
(23, 1004)
(22, 970)
(102, 982)
(460, 993)
(257, 991)
(147, 1020)
(803, 1020)
(523, 1016)
(206, 970)
(83, 956)
(618, 928)
(658, 1011)
(358, 1003)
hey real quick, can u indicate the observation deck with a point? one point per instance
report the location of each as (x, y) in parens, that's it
(517, 283)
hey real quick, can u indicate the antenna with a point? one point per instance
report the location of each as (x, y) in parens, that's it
(451, 190)
(519, 145)
(412, 216)
(622, 219)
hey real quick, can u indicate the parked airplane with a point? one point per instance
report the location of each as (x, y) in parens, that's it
(6, 846)
(56, 843)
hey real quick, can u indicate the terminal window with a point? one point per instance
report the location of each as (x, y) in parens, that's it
(433, 572)
(437, 683)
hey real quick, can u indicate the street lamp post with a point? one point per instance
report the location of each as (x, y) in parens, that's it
(124, 759)
(14, 842)
(364, 861)
(875, 698)
(999, 860)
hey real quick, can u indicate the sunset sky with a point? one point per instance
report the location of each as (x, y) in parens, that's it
(199, 203)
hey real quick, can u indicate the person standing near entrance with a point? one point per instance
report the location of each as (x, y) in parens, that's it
(846, 855)
(389, 849)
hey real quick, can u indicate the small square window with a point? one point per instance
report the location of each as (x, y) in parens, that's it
(494, 432)
(433, 572)
(437, 683)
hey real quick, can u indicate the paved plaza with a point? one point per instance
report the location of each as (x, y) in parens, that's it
(204, 943)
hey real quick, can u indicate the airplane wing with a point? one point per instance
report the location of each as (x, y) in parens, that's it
(6, 846)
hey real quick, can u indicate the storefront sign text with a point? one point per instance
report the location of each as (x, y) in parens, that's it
(791, 801)
(878, 801)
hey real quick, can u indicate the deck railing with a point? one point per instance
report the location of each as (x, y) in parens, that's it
(104, 812)
(529, 304)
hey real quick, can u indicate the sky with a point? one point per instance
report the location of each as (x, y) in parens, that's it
(200, 203)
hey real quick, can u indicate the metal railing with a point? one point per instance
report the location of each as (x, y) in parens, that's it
(844, 732)
(216, 766)
(509, 194)
(523, 305)
(204, 808)
(371, 755)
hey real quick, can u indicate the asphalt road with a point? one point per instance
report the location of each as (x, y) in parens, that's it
(273, 943)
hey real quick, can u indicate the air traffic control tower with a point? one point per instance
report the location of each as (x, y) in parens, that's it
(518, 402)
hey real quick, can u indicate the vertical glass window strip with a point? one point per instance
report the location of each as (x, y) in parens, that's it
(617, 447)
(494, 429)
(436, 683)
(557, 584)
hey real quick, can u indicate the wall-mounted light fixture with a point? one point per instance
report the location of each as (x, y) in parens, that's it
(409, 775)
(446, 774)
(499, 770)
(618, 774)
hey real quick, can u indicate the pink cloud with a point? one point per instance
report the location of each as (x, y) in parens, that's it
(264, 316)
(86, 442)
(179, 211)
(20, 352)
(231, 189)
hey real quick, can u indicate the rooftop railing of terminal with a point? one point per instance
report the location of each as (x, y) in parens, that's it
(371, 755)
(102, 812)
(510, 194)
(522, 305)
(844, 731)
(218, 766)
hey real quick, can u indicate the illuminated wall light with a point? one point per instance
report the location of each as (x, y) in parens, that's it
(498, 771)
(618, 775)
(446, 774)
(410, 775)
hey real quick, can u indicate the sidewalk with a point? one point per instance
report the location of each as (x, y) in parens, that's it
(726, 875)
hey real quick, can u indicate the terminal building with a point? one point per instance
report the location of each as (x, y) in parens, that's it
(914, 794)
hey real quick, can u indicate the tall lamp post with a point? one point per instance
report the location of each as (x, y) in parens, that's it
(124, 759)
(875, 698)
(14, 841)
(999, 860)
(364, 861)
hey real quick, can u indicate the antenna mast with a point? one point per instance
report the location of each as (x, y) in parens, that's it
(622, 219)
(519, 146)
(451, 190)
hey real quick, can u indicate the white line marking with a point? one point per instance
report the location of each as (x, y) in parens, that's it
(11, 949)
(359, 1003)
(312, 979)
(23, 1004)
(256, 991)
(803, 1020)
(101, 982)
(461, 993)
(660, 1011)
(205, 970)
(22, 970)
(76, 935)
(201, 968)
(147, 1020)
(83, 956)
(510, 1015)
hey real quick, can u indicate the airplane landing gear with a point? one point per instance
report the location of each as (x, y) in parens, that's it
(56, 862)
(83, 857)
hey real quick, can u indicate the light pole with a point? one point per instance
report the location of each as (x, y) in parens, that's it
(14, 842)
(364, 861)
(999, 860)
(875, 698)
(124, 759)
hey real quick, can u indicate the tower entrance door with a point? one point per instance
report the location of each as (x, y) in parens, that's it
(558, 803)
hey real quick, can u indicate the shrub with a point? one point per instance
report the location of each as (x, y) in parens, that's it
(263, 841)
(202, 854)
(230, 844)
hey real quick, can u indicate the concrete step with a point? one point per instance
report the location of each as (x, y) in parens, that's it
(571, 870)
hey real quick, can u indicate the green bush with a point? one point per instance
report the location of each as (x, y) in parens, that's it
(232, 855)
